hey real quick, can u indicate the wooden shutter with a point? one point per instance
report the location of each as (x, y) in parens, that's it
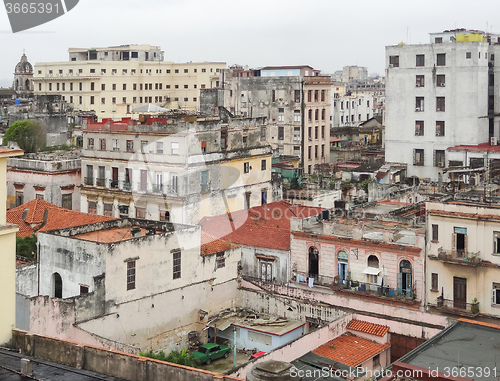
(454, 242)
(465, 244)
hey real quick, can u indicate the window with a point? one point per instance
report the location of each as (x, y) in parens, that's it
(281, 116)
(315, 95)
(420, 81)
(316, 132)
(297, 96)
(246, 167)
(376, 360)
(316, 114)
(84, 289)
(220, 260)
(186, 99)
(323, 114)
(130, 146)
(309, 115)
(39, 196)
(495, 296)
(159, 147)
(90, 143)
(130, 275)
(322, 150)
(418, 157)
(393, 61)
(440, 104)
(435, 232)
(281, 133)
(459, 242)
(50, 86)
(124, 100)
(420, 60)
(309, 154)
(176, 265)
(419, 128)
(316, 151)
(496, 242)
(92, 100)
(434, 282)
(67, 201)
(144, 144)
(438, 40)
(322, 132)
(296, 116)
(174, 148)
(419, 104)
(263, 165)
(103, 101)
(441, 80)
(263, 197)
(102, 144)
(441, 59)
(440, 128)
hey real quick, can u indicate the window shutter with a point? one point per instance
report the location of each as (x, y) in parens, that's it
(493, 296)
(414, 157)
(454, 242)
(435, 158)
(400, 282)
(466, 250)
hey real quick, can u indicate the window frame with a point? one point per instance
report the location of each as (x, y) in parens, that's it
(176, 264)
(131, 275)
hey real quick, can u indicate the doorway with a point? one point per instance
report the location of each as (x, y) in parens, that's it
(57, 281)
(405, 277)
(459, 292)
(342, 265)
(313, 263)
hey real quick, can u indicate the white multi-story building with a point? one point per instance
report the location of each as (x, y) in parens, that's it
(439, 95)
(351, 111)
(113, 81)
(174, 170)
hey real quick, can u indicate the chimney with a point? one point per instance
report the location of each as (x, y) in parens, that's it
(26, 368)
(136, 232)
(272, 371)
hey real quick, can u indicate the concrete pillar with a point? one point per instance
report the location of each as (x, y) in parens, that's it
(273, 371)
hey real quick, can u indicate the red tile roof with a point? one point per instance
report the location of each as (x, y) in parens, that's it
(262, 226)
(57, 217)
(372, 329)
(350, 350)
(212, 245)
(481, 147)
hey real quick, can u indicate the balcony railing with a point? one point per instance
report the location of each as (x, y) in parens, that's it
(205, 188)
(89, 181)
(458, 307)
(101, 182)
(461, 257)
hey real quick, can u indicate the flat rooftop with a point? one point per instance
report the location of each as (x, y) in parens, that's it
(272, 325)
(465, 344)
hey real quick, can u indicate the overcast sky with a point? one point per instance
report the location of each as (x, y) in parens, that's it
(326, 34)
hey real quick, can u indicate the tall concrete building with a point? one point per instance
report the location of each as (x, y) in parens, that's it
(296, 101)
(438, 95)
(113, 81)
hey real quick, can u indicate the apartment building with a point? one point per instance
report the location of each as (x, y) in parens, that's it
(113, 81)
(173, 170)
(352, 110)
(463, 257)
(439, 95)
(296, 102)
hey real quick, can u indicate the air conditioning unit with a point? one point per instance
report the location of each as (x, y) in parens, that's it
(442, 84)
(493, 141)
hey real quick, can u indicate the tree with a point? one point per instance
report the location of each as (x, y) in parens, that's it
(30, 135)
(26, 247)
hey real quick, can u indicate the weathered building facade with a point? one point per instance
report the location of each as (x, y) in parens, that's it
(296, 102)
(53, 177)
(169, 169)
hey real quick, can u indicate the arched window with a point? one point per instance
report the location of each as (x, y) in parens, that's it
(58, 285)
(373, 261)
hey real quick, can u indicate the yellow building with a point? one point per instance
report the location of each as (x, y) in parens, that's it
(113, 81)
(7, 255)
(463, 257)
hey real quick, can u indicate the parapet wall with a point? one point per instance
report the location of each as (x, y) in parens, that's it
(108, 362)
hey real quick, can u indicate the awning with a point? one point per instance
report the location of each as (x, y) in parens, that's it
(371, 271)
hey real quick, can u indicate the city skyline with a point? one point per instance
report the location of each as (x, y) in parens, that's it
(327, 36)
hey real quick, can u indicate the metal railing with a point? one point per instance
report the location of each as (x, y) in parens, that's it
(88, 181)
(458, 306)
(459, 256)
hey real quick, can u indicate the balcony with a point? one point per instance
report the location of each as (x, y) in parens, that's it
(158, 188)
(89, 181)
(101, 182)
(114, 184)
(457, 257)
(205, 188)
(458, 307)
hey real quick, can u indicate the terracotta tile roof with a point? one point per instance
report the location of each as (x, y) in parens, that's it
(212, 245)
(371, 328)
(57, 217)
(262, 226)
(350, 350)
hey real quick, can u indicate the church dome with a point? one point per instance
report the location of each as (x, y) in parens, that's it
(24, 66)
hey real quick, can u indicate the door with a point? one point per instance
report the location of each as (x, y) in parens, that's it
(342, 272)
(459, 292)
(313, 263)
(114, 181)
(144, 180)
(266, 271)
